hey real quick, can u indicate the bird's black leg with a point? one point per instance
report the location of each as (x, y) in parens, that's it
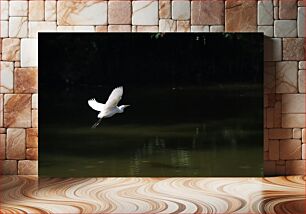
(96, 124)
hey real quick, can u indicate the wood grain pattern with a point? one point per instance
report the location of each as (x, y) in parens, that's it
(30, 194)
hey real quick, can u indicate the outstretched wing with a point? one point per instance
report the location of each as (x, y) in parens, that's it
(95, 105)
(114, 97)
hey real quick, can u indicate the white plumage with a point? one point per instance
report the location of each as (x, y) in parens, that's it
(110, 107)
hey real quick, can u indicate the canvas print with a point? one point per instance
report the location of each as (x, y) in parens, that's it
(150, 104)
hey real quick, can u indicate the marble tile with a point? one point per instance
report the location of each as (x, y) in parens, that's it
(301, 3)
(290, 149)
(199, 28)
(280, 133)
(304, 135)
(34, 118)
(2, 146)
(285, 28)
(241, 16)
(286, 77)
(6, 77)
(265, 12)
(207, 12)
(272, 49)
(4, 10)
(216, 28)
(183, 26)
(27, 167)
(91, 12)
(277, 117)
(11, 49)
(119, 28)
(275, 13)
(297, 133)
(180, 10)
(34, 101)
(119, 12)
(32, 154)
(287, 9)
(26, 80)
(167, 25)
(293, 103)
(101, 28)
(293, 120)
(32, 138)
(50, 10)
(273, 150)
(269, 77)
(164, 9)
(36, 10)
(36, 26)
(301, 81)
(15, 143)
(145, 13)
(303, 151)
(270, 118)
(29, 53)
(17, 110)
(18, 27)
(75, 29)
(140, 28)
(269, 168)
(18, 8)
(4, 29)
(295, 167)
(302, 65)
(267, 30)
(301, 22)
(8, 167)
(2, 130)
(1, 110)
(293, 49)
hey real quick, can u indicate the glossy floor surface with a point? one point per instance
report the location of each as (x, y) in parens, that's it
(152, 195)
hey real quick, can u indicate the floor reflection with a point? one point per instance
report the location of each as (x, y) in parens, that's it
(139, 195)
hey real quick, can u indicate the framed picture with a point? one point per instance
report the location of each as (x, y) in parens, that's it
(150, 104)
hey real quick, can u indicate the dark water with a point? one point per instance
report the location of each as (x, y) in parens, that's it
(207, 131)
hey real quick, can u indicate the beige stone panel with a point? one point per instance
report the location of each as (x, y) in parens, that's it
(18, 27)
(29, 53)
(81, 29)
(295, 167)
(26, 80)
(119, 28)
(32, 154)
(301, 21)
(180, 10)
(34, 118)
(119, 12)
(293, 49)
(200, 28)
(293, 103)
(167, 25)
(273, 150)
(278, 114)
(304, 135)
(297, 133)
(265, 12)
(2, 146)
(145, 13)
(287, 9)
(140, 28)
(18, 8)
(32, 138)
(183, 26)
(216, 28)
(4, 10)
(290, 149)
(266, 30)
(15, 144)
(2, 130)
(11, 49)
(286, 77)
(35, 101)
(17, 110)
(285, 28)
(1, 110)
(303, 151)
(302, 65)
(164, 9)
(301, 81)
(6, 77)
(91, 12)
(28, 167)
(269, 77)
(270, 118)
(37, 26)
(36, 10)
(280, 133)
(207, 12)
(293, 121)
(101, 28)
(50, 10)
(4, 29)
(8, 167)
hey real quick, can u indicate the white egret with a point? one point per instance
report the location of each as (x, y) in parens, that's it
(110, 107)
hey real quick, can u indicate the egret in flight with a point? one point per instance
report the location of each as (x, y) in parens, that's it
(110, 107)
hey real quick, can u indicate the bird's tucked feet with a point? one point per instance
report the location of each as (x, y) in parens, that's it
(96, 124)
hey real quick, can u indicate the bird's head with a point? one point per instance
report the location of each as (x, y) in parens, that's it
(122, 107)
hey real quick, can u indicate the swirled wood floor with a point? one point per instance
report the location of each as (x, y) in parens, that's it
(152, 195)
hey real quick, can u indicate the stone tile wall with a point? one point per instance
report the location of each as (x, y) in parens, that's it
(282, 21)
